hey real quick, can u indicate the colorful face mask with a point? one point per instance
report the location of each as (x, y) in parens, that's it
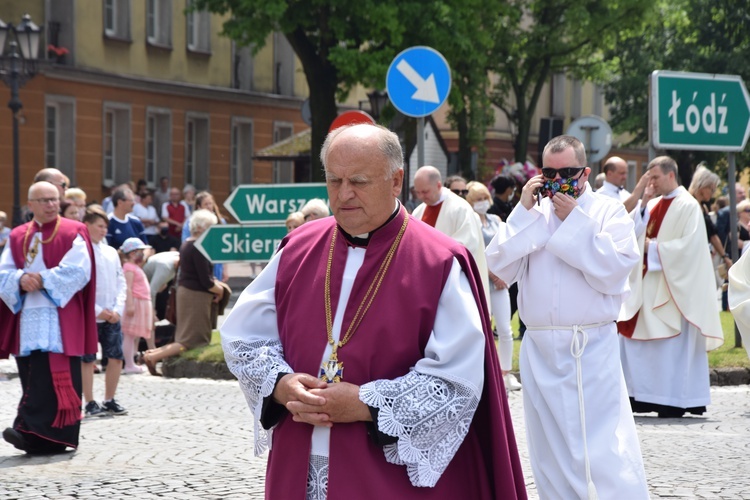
(567, 186)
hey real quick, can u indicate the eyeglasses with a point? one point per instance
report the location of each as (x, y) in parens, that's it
(63, 185)
(747, 210)
(46, 201)
(460, 192)
(566, 172)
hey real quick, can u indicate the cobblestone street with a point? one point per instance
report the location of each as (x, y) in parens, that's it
(188, 438)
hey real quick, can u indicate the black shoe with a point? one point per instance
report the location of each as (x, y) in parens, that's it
(15, 438)
(94, 410)
(113, 408)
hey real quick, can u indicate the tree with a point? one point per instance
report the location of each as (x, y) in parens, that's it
(539, 38)
(700, 36)
(331, 39)
(342, 43)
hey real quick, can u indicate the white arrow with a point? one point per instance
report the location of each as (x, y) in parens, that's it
(426, 89)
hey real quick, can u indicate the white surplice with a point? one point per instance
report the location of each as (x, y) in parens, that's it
(454, 355)
(573, 272)
(40, 323)
(665, 362)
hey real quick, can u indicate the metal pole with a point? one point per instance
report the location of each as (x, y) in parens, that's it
(15, 106)
(731, 180)
(420, 142)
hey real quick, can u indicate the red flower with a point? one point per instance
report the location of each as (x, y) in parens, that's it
(58, 51)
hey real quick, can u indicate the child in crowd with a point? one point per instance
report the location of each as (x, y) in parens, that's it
(109, 306)
(138, 319)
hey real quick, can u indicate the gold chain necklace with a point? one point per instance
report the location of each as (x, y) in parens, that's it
(333, 370)
(31, 253)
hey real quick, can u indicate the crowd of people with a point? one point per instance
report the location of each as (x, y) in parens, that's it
(81, 280)
(361, 386)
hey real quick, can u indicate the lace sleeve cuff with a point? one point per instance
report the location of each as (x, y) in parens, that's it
(257, 366)
(10, 291)
(428, 414)
(62, 282)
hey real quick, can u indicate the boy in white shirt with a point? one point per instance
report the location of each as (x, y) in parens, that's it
(110, 303)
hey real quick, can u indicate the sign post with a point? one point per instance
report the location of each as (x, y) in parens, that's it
(698, 111)
(418, 83)
(238, 243)
(269, 204)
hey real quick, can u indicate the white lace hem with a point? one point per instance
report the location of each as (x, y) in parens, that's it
(256, 366)
(429, 415)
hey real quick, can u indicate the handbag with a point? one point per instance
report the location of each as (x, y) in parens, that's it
(170, 313)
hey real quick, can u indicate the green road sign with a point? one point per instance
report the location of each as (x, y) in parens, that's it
(699, 111)
(235, 243)
(271, 203)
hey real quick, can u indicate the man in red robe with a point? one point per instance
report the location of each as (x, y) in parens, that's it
(47, 322)
(364, 349)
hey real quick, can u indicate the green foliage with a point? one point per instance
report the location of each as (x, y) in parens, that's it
(700, 36)
(342, 43)
(539, 38)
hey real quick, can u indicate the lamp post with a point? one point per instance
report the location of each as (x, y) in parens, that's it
(378, 100)
(16, 68)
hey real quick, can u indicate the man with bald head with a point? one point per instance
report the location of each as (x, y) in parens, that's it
(451, 215)
(365, 352)
(47, 322)
(615, 176)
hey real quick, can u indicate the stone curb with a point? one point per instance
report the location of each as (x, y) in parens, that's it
(184, 368)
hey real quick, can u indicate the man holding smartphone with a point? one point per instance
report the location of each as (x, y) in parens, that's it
(571, 251)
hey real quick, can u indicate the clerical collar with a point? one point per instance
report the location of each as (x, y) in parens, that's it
(42, 225)
(441, 199)
(615, 186)
(361, 240)
(672, 193)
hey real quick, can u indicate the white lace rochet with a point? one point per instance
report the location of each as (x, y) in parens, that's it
(429, 415)
(256, 366)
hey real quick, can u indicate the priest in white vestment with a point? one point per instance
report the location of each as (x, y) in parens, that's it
(451, 215)
(571, 255)
(671, 318)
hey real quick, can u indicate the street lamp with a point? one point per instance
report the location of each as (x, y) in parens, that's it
(378, 101)
(15, 70)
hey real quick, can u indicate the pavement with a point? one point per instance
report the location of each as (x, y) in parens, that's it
(192, 438)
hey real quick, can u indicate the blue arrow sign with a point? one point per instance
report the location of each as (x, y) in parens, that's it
(418, 81)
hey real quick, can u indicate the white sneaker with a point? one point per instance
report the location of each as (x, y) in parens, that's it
(511, 383)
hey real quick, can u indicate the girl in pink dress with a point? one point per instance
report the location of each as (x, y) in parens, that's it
(137, 321)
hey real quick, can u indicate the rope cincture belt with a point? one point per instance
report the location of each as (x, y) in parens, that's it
(577, 345)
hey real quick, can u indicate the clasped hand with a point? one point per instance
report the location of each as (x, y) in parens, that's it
(313, 401)
(31, 282)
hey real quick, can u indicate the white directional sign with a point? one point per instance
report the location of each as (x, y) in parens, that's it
(418, 81)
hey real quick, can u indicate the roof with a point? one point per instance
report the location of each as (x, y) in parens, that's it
(296, 146)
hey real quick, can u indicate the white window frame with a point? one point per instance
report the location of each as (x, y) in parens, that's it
(279, 176)
(158, 145)
(241, 154)
(119, 16)
(197, 150)
(198, 31)
(61, 154)
(120, 155)
(159, 23)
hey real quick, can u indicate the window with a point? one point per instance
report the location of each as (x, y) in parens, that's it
(116, 144)
(196, 151)
(283, 171)
(242, 74)
(59, 137)
(117, 19)
(198, 30)
(283, 59)
(159, 23)
(241, 167)
(158, 145)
